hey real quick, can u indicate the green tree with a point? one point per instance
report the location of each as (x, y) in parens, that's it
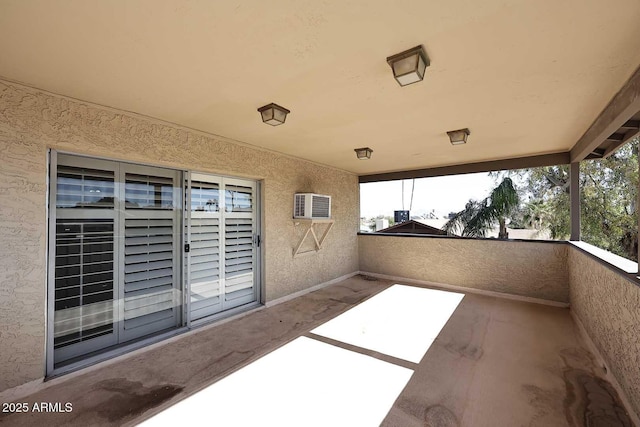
(607, 200)
(609, 189)
(533, 214)
(479, 216)
(547, 208)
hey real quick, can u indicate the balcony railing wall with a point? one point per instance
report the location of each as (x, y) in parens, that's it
(607, 305)
(527, 269)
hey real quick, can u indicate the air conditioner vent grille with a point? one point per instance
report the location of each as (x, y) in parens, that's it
(320, 207)
(298, 210)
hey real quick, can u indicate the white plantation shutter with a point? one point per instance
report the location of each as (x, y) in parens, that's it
(205, 267)
(83, 281)
(239, 251)
(204, 255)
(150, 252)
(148, 273)
(238, 258)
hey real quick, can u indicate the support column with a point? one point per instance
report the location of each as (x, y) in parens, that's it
(574, 190)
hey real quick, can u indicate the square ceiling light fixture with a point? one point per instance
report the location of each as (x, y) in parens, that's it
(363, 153)
(408, 66)
(459, 136)
(273, 114)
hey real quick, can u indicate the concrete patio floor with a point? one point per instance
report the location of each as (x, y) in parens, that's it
(496, 362)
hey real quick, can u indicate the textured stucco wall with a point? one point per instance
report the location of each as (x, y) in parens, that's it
(530, 269)
(608, 306)
(32, 121)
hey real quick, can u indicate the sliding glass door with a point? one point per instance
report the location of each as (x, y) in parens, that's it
(131, 246)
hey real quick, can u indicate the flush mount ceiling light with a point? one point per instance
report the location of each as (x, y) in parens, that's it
(408, 66)
(273, 114)
(459, 136)
(363, 153)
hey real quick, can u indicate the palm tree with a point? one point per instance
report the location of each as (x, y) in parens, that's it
(479, 216)
(536, 214)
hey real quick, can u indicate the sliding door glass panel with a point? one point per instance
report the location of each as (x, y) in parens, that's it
(239, 242)
(205, 239)
(150, 292)
(84, 258)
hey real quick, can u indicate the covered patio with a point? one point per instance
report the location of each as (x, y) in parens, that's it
(162, 262)
(495, 361)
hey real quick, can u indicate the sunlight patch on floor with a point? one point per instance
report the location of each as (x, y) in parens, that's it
(304, 383)
(401, 321)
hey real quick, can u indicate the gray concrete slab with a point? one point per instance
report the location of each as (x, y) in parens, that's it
(497, 362)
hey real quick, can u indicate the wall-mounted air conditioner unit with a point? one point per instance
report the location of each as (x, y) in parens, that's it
(311, 206)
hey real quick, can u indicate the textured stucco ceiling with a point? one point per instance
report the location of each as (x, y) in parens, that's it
(527, 77)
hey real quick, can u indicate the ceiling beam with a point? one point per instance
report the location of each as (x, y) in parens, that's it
(616, 137)
(631, 124)
(631, 133)
(624, 105)
(494, 165)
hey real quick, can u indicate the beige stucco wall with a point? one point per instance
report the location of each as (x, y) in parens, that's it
(32, 121)
(608, 306)
(529, 269)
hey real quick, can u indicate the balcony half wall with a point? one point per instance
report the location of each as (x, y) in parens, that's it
(526, 269)
(607, 306)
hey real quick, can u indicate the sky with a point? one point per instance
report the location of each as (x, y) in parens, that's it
(444, 194)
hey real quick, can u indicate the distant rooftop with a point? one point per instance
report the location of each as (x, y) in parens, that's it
(434, 227)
